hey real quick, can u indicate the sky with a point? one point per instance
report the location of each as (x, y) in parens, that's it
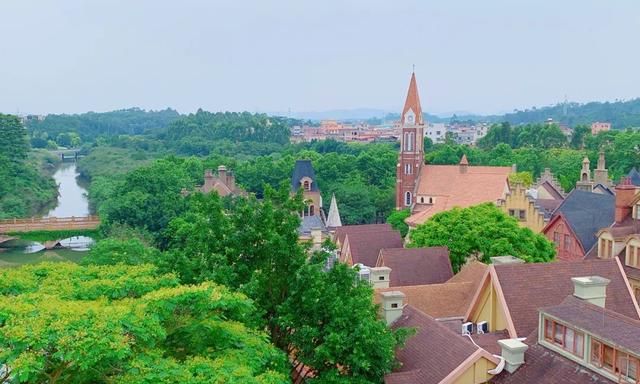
(490, 56)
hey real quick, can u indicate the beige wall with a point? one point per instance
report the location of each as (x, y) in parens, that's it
(517, 200)
(490, 309)
(477, 373)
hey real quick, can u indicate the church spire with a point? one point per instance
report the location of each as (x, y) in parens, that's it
(333, 219)
(412, 103)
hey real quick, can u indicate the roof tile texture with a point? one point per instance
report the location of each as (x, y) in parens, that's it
(416, 266)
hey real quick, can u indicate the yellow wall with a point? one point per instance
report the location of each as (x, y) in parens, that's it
(490, 309)
(477, 373)
(518, 200)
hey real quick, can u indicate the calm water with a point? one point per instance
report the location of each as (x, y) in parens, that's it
(72, 197)
(72, 201)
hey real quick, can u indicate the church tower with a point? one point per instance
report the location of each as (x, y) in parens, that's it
(585, 183)
(411, 156)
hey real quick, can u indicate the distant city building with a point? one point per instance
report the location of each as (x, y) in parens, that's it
(598, 127)
(437, 132)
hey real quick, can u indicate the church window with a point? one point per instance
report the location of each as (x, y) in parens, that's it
(584, 177)
(407, 169)
(311, 210)
(431, 200)
(408, 141)
(407, 198)
(306, 185)
(421, 200)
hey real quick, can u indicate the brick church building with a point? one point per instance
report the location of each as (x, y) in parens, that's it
(428, 189)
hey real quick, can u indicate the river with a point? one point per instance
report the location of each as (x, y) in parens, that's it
(72, 196)
(72, 201)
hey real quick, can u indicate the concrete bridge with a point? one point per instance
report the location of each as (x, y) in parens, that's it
(48, 224)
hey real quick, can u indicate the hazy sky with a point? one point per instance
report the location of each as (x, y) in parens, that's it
(481, 56)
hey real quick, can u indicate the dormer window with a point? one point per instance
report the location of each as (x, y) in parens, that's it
(306, 185)
(636, 211)
(632, 258)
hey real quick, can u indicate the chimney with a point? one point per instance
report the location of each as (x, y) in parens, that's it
(464, 164)
(625, 192)
(591, 288)
(222, 173)
(208, 174)
(380, 277)
(316, 238)
(514, 168)
(513, 353)
(231, 181)
(392, 304)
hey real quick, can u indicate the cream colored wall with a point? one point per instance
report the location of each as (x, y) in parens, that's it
(477, 373)
(518, 200)
(489, 309)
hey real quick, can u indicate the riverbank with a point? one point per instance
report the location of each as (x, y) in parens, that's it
(27, 185)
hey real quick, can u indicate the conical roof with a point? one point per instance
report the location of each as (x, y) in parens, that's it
(413, 100)
(333, 219)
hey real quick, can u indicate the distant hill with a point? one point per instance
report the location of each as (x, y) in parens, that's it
(621, 114)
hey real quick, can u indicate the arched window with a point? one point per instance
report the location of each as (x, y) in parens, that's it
(407, 169)
(421, 200)
(407, 198)
(311, 210)
(431, 200)
(584, 177)
(306, 185)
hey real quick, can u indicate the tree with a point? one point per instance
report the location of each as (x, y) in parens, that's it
(579, 135)
(14, 145)
(397, 218)
(113, 251)
(251, 245)
(524, 178)
(64, 323)
(481, 232)
(149, 197)
(332, 327)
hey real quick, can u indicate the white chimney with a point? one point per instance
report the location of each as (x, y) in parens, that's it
(392, 304)
(513, 353)
(591, 288)
(380, 277)
(498, 260)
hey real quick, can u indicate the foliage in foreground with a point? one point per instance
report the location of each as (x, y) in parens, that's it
(481, 232)
(123, 324)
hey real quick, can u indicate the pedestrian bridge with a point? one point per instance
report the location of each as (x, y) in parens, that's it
(48, 224)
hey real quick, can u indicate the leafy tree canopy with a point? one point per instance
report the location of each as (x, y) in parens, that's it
(103, 324)
(481, 232)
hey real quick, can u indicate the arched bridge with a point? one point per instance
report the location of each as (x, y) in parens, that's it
(49, 224)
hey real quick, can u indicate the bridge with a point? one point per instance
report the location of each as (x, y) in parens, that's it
(48, 224)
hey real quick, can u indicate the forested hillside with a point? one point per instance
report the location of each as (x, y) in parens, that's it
(24, 189)
(61, 130)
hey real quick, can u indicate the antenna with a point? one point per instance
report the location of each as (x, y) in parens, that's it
(414, 68)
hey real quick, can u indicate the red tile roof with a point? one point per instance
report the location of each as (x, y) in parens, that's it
(431, 354)
(413, 100)
(365, 246)
(451, 188)
(603, 323)
(542, 366)
(528, 287)
(436, 300)
(341, 232)
(470, 272)
(416, 266)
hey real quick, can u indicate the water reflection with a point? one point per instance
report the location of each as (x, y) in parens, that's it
(72, 198)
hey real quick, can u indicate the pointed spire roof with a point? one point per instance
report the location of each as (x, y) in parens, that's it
(333, 219)
(463, 160)
(413, 100)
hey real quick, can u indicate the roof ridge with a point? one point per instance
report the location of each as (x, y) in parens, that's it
(572, 300)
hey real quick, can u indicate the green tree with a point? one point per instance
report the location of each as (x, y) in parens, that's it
(524, 178)
(481, 232)
(332, 327)
(580, 133)
(397, 218)
(64, 323)
(113, 251)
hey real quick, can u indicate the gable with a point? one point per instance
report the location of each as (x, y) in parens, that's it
(489, 305)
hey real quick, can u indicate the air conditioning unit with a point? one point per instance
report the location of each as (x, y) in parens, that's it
(467, 328)
(482, 327)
